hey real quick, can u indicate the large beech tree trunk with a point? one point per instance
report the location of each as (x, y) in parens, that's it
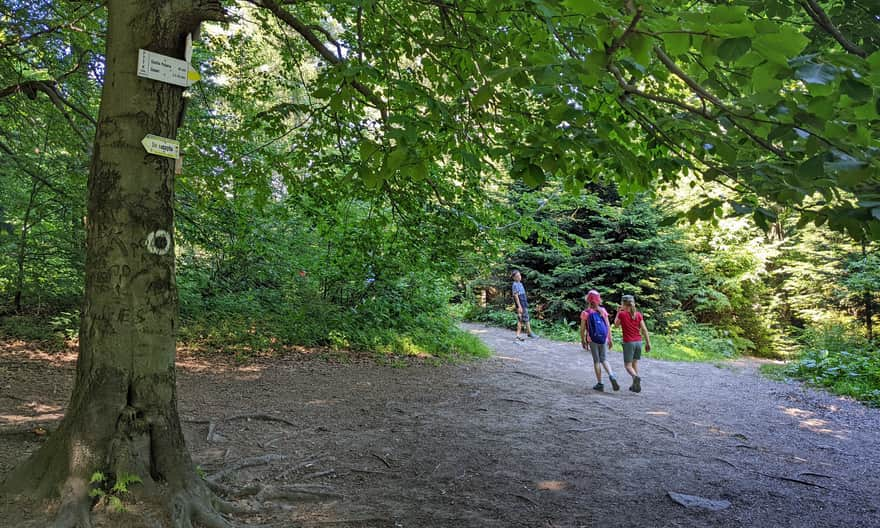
(122, 416)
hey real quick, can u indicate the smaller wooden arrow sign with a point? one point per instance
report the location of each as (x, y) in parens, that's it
(160, 146)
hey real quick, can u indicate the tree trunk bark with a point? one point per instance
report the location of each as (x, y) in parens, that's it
(122, 417)
(22, 245)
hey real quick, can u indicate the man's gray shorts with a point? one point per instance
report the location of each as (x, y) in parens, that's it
(599, 350)
(631, 351)
(524, 318)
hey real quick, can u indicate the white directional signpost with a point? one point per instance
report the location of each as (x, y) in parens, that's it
(152, 65)
(158, 67)
(160, 146)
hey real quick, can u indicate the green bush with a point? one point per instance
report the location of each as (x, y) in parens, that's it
(406, 317)
(51, 332)
(693, 342)
(837, 358)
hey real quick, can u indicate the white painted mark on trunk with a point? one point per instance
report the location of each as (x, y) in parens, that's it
(159, 242)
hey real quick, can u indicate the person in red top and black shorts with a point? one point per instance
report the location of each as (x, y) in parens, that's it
(633, 325)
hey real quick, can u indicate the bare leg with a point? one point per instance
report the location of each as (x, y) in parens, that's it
(608, 369)
(598, 368)
(635, 367)
(631, 369)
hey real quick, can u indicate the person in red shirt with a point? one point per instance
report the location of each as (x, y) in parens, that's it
(596, 337)
(633, 325)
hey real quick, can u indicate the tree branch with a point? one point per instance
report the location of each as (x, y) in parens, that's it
(823, 21)
(619, 41)
(707, 96)
(50, 29)
(630, 89)
(310, 37)
(8, 151)
(330, 39)
(30, 89)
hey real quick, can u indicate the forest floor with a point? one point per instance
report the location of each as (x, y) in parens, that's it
(518, 440)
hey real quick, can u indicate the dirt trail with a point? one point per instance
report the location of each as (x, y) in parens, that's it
(518, 440)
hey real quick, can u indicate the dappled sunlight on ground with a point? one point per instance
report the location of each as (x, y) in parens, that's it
(508, 358)
(657, 413)
(15, 419)
(551, 485)
(33, 352)
(808, 420)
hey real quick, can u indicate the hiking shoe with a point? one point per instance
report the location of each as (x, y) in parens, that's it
(632, 388)
(520, 338)
(533, 336)
(637, 384)
(614, 384)
(599, 387)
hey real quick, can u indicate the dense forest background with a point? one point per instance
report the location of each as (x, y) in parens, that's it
(281, 244)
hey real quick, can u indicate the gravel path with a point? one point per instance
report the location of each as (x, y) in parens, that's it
(519, 440)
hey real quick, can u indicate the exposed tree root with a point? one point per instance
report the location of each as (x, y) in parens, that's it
(668, 430)
(535, 376)
(214, 425)
(525, 498)
(301, 465)
(300, 493)
(246, 463)
(187, 508)
(318, 474)
(32, 429)
(75, 510)
(383, 461)
(778, 477)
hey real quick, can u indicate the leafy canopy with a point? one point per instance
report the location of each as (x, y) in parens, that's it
(769, 98)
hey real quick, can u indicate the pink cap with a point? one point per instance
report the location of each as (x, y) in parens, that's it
(593, 296)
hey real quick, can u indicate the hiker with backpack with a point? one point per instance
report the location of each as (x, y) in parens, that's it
(596, 337)
(632, 323)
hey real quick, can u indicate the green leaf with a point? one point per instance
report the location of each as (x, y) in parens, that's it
(764, 78)
(874, 60)
(813, 168)
(874, 228)
(677, 43)
(367, 149)
(853, 178)
(323, 92)
(371, 178)
(857, 90)
(779, 47)
(640, 46)
(725, 152)
(583, 7)
(732, 49)
(822, 107)
(533, 176)
(396, 158)
(482, 96)
(420, 170)
(724, 14)
(816, 73)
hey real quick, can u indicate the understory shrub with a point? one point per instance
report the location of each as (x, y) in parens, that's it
(836, 358)
(408, 317)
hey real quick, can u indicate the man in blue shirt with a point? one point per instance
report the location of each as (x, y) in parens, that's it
(522, 307)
